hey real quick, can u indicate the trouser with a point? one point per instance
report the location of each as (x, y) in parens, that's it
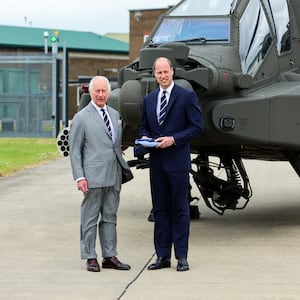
(99, 209)
(171, 212)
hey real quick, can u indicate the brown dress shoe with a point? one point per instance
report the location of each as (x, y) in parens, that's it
(114, 263)
(92, 265)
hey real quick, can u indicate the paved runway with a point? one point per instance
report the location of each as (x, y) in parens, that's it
(248, 254)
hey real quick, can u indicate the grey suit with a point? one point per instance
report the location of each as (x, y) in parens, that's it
(97, 158)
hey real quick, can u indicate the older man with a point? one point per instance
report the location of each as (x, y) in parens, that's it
(97, 162)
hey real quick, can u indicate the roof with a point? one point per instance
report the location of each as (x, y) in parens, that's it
(118, 36)
(29, 37)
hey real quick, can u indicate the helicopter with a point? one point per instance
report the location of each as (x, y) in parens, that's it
(242, 58)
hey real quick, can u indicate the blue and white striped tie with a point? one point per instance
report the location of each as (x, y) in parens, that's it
(106, 121)
(163, 108)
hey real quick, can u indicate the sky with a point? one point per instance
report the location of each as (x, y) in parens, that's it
(98, 16)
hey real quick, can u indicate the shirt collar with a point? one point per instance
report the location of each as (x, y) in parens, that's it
(168, 90)
(99, 108)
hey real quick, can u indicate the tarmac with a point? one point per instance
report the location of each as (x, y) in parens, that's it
(245, 254)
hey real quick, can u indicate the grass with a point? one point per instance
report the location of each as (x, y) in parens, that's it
(22, 153)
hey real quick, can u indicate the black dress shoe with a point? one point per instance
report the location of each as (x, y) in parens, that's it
(182, 264)
(160, 264)
(114, 263)
(92, 265)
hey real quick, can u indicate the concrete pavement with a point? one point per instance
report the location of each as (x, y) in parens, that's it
(248, 254)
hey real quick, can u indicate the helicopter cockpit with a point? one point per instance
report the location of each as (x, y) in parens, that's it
(255, 27)
(194, 22)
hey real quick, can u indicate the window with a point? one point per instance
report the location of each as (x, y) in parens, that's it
(255, 37)
(189, 29)
(203, 8)
(196, 21)
(280, 17)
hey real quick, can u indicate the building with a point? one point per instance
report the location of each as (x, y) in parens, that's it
(26, 74)
(141, 23)
(26, 55)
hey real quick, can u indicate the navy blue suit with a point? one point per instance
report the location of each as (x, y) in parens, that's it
(169, 167)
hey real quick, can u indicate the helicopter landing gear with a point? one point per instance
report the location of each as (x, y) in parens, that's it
(220, 193)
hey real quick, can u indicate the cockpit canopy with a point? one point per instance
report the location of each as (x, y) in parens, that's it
(195, 21)
(260, 25)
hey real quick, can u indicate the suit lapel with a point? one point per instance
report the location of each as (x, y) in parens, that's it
(153, 106)
(94, 114)
(172, 98)
(115, 122)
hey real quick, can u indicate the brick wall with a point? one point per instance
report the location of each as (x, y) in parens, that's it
(141, 24)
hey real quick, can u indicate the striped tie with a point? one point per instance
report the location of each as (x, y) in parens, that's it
(163, 108)
(106, 121)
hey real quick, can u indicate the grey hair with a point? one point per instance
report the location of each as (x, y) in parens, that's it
(91, 84)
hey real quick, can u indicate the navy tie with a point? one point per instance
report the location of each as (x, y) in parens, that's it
(106, 121)
(163, 108)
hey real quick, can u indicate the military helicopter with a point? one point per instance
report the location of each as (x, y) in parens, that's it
(242, 59)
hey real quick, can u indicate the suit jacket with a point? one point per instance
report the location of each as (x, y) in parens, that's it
(183, 121)
(93, 154)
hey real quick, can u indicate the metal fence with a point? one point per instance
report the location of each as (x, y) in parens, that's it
(27, 96)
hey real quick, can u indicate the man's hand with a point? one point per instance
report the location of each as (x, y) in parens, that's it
(82, 185)
(165, 141)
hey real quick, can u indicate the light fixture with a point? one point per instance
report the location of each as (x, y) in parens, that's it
(138, 15)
